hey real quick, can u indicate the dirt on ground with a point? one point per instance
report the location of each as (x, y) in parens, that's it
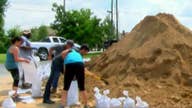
(153, 61)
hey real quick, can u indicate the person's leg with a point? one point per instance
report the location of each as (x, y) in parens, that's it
(46, 96)
(15, 76)
(68, 77)
(80, 74)
(55, 80)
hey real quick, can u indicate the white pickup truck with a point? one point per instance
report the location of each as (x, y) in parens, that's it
(42, 47)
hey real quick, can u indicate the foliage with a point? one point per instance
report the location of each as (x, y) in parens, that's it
(39, 33)
(2, 58)
(3, 39)
(16, 31)
(3, 4)
(81, 26)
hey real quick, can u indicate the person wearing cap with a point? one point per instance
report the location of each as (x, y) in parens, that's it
(25, 52)
(57, 49)
(74, 67)
(25, 49)
(56, 68)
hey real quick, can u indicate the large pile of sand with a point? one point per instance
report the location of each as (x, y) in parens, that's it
(153, 61)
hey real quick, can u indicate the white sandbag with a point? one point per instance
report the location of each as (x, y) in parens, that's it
(27, 99)
(8, 103)
(73, 94)
(20, 74)
(115, 103)
(44, 70)
(128, 102)
(97, 95)
(30, 70)
(104, 102)
(36, 86)
(140, 103)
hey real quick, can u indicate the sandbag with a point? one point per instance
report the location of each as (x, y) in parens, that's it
(128, 102)
(73, 94)
(30, 70)
(98, 96)
(36, 86)
(104, 102)
(44, 70)
(8, 103)
(140, 103)
(115, 103)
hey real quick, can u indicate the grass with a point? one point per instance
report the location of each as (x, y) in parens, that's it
(92, 55)
(2, 58)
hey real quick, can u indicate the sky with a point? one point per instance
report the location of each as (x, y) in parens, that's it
(33, 13)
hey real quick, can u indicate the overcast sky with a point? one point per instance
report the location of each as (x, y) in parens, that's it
(33, 13)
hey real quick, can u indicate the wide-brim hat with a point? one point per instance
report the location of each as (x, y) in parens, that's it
(26, 31)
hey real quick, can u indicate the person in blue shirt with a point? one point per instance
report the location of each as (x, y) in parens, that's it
(12, 59)
(74, 67)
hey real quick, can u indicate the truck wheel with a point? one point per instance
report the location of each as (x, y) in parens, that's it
(43, 53)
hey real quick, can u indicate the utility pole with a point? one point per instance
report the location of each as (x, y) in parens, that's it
(64, 6)
(117, 20)
(111, 19)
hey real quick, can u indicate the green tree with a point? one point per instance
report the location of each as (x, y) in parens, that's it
(39, 33)
(16, 31)
(108, 29)
(3, 39)
(79, 25)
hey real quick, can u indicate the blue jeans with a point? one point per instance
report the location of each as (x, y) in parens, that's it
(56, 78)
(52, 81)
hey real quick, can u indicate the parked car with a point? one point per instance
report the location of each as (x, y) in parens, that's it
(108, 43)
(42, 48)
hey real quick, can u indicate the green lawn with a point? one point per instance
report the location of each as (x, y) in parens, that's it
(2, 58)
(92, 55)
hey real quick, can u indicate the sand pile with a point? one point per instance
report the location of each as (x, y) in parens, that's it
(153, 61)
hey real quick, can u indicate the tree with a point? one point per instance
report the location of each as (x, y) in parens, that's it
(39, 33)
(79, 25)
(16, 31)
(3, 4)
(3, 39)
(108, 29)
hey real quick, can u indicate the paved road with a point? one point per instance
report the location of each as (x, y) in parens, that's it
(3, 71)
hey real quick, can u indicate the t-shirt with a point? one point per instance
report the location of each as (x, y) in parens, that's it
(73, 57)
(58, 60)
(25, 53)
(10, 62)
(58, 49)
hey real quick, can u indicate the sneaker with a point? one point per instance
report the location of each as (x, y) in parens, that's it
(48, 101)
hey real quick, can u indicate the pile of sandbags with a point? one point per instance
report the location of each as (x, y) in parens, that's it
(104, 101)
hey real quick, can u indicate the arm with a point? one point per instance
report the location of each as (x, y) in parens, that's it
(15, 52)
(65, 52)
(50, 53)
(26, 44)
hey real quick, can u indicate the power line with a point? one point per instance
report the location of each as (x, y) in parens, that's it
(117, 21)
(31, 10)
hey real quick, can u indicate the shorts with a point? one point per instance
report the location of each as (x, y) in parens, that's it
(15, 76)
(74, 70)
